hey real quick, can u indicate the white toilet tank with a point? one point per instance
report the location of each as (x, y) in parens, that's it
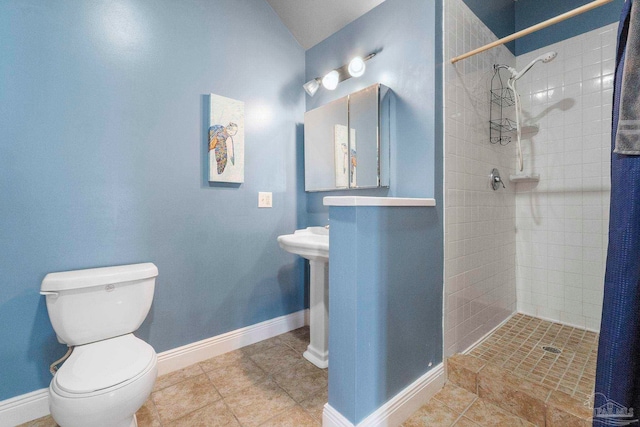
(99, 303)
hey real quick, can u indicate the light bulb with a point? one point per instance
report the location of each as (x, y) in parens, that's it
(330, 81)
(357, 67)
(311, 87)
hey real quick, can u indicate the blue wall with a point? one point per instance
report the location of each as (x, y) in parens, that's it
(102, 162)
(531, 12)
(404, 30)
(385, 303)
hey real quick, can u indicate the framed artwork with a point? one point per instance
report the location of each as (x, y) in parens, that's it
(226, 139)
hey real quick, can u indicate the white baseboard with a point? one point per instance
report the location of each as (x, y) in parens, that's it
(24, 408)
(30, 406)
(181, 357)
(333, 418)
(398, 408)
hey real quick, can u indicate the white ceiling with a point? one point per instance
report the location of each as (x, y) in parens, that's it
(311, 21)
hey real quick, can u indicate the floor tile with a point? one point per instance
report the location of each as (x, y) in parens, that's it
(214, 415)
(302, 380)
(276, 358)
(180, 399)
(261, 346)
(465, 422)
(222, 361)
(175, 377)
(564, 410)
(236, 377)
(314, 405)
(515, 395)
(489, 415)
(47, 421)
(294, 417)
(147, 416)
(433, 414)
(258, 403)
(462, 370)
(454, 397)
(298, 339)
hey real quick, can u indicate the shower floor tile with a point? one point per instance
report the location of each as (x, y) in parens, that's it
(518, 347)
(265, 384)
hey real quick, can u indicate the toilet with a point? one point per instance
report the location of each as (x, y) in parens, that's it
(110, 372)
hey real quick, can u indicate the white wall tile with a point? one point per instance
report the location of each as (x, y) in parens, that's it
(480, 243)
(574, 168)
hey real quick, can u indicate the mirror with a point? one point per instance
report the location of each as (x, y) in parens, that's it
(346, 142)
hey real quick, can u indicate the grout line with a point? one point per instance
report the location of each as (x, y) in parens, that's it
(465, 410)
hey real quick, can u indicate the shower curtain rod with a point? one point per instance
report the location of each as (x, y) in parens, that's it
(582, 9)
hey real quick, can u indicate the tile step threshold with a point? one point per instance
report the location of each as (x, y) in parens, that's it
(536, 403)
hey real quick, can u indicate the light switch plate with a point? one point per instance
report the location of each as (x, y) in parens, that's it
(265, 200)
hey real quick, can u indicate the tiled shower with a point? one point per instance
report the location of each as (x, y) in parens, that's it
(562, 222)
(538, 248)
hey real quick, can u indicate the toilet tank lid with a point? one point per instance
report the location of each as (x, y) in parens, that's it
(76, 279)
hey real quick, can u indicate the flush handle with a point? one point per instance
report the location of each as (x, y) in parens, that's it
(49, 293)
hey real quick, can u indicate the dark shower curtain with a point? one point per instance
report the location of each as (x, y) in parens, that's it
(618, 371)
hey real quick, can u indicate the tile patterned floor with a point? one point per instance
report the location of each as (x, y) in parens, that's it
(271, 384)
(266, 384)
(455, 406)
(509, 380)
(517, 348)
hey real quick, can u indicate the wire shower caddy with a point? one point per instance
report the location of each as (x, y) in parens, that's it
(501, 98)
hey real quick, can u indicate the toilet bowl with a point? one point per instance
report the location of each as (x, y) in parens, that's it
(110, 373)
(103, 384)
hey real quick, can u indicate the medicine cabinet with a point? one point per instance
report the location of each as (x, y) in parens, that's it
(346, 142)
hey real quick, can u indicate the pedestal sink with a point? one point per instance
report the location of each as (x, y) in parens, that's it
(312, 243)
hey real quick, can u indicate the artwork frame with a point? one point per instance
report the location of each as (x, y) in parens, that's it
(225, 139)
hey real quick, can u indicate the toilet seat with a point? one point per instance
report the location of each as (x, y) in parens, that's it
(104, 366)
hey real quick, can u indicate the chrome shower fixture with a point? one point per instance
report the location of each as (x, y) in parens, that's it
(511, 83)
(355, 68)
(545, 57)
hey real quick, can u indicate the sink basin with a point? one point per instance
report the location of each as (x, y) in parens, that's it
(312, 243)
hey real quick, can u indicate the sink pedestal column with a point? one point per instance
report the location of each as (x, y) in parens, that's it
(318, 350)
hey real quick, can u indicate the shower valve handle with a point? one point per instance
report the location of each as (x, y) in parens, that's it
(496, 180)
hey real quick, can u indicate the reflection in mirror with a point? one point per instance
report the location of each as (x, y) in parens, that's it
(341, 150)
(333, 159)
(320, 130)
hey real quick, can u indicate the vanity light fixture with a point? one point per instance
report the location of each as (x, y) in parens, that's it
(355, 68)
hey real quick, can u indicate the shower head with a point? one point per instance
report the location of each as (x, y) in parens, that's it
(545, 57)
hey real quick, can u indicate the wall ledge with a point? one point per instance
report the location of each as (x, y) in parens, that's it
(377, 201)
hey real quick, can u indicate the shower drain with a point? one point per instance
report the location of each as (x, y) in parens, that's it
(550, 349)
